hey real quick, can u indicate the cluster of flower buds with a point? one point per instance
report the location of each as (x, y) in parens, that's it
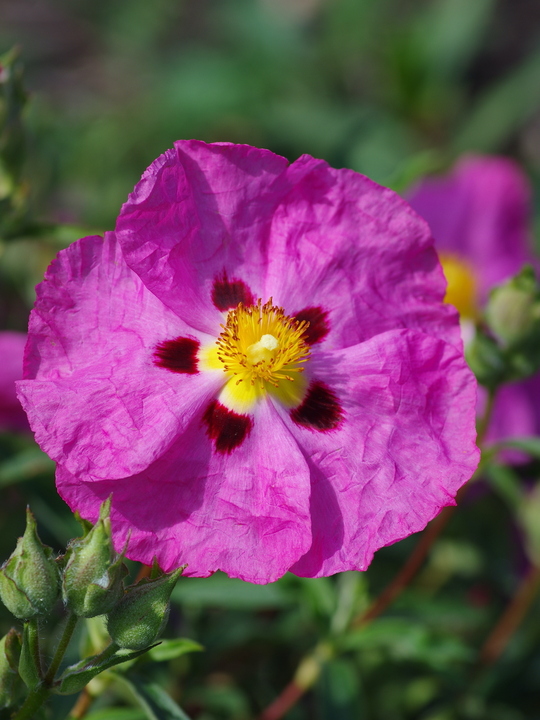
(90, 578)
(507, 346)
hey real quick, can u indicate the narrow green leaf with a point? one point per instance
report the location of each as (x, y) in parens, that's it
(153, 699)
(169, 649)
(221, 591)
(28, 662)
(529, 445)
(77, 676)
(25, 466)
(502, 109)
(117, 714)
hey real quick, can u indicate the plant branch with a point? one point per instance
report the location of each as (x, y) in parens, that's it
(508, 623)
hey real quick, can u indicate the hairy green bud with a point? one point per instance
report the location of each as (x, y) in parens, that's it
(139, 618)
(29, 579)
(92, 583)
(513, 309)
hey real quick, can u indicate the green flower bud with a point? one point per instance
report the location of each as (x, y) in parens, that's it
(139, 618)
(93, 576)
(513, 309)
(11, 684)
(29, 579)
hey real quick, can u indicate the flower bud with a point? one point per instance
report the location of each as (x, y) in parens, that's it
(10, 682)
(513, 309)
(29, 579)
(139, 618)
(93, 576)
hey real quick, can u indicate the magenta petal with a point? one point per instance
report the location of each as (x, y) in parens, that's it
(198, 212)
(96, 399)
(246, 513)
(12, 416)
(304, 234)
(481, 212)
(342, 242)
(405, 448)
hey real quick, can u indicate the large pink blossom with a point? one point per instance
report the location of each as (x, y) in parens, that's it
(480, 215)
(258, 365)
(12, 416)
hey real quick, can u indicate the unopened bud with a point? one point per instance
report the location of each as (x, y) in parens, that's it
(513, 309)
(139, 618)
(29, 579)
(11, 684)
(93, 576)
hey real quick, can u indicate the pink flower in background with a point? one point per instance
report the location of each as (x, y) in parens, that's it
(257, 364)
(480, 217)
(12, 416)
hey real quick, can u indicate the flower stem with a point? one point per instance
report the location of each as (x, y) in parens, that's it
(409, 569)
(37, 697)
(32, 704)
(511, 618)
(61, 648)
(306, 676)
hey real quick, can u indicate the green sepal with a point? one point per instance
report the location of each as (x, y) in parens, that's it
(77, 676)
(11, 685)
(507, 348)
(139, 618)
(29, 668)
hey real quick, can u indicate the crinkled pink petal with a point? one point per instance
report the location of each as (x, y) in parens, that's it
(303, 234)
(404, 449)
(199, 210)
(480, 211)
(95, 398)
(246, 514)
(340, 241)
(12, 416)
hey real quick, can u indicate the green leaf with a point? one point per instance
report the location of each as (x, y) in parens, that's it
(77, 676)
(117, 714)
(28, 668)
(502, 109)
(25, 466)
(529, 445)
(169, 649)
(221, 591)
(153, 699)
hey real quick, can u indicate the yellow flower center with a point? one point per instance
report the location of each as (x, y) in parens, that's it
(261, 350)
(461, 291)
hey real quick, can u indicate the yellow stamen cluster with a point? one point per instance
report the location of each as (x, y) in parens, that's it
(260, 344)
(461, 291)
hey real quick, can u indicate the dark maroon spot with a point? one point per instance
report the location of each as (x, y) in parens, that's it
(178, 355)
(318, 323)
(227, 428)
(227, 294)
(320, 409)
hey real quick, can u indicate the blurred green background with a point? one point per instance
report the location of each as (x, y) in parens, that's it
(390, 88)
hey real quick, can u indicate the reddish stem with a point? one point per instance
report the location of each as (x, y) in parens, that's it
(510, 620)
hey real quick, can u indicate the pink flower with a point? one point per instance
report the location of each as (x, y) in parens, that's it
(257, 364)
(12, 416)
(480, 217)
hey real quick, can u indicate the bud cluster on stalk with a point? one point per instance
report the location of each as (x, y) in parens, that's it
(90, 579)
(506, 346)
